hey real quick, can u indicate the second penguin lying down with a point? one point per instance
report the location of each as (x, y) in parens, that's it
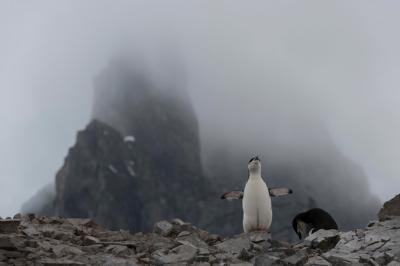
(308, 222)
(257, 210)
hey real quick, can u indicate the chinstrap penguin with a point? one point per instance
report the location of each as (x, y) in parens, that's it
(257, 209)
(308, 222)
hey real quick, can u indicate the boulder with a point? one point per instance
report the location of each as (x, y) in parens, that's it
(182, 253)
(317, 261)
(9, 226)
(390, 208)
(298, 258)
(7, 242)
(163, 228)
(235, 245)
(266, 260)
(323, 239)
(90, 240)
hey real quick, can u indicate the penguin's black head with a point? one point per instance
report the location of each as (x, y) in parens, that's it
(254, 165)
(255, 158)
(296, 226)
(301, 227)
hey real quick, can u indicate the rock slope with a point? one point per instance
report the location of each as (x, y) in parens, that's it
(390, 208)
(39, 240)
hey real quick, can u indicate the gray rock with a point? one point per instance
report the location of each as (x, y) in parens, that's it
(241, 264)
(180, 225)
(350, 246)
(203, 251)
(299, 258)
(317, 261)
(193, 240)
(341, 258)
(61, 250)
(183, 233)
(9, 226)
(394, 252)
(365, 258)
(220, 258)
(266, 260)
(259, 236)
(7, 242)
(390, 209)
(83, 222)
(90, 240)
(210, 239)
(17, 216)
(244, 255)
(118, 250)
(201, 264)
(31, 231)
(235, 245)
(109, 259)
(381, 258)
(60, 262)
(182, 253)
(323, 239)
(163, 228)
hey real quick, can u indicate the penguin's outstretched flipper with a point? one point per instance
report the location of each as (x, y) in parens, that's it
(279, 191)
(232, 195)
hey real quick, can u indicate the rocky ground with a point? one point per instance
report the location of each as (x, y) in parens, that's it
(33, 240)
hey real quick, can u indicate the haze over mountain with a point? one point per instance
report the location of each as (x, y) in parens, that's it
(250, 71)
(147, 166)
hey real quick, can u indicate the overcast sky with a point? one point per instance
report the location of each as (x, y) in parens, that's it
(341, 60)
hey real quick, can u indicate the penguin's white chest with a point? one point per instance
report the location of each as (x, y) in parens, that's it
(257, 210)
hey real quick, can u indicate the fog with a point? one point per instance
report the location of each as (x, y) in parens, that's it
(248, 67)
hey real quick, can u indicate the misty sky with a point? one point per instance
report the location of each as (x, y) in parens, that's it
(243, 61)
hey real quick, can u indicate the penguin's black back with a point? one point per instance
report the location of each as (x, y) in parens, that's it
(317, 218)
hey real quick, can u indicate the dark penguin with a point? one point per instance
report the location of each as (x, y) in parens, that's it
(312, 220)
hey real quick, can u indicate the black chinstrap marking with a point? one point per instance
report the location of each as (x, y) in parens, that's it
(255, 158)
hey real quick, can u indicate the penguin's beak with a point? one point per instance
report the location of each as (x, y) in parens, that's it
(299, 235)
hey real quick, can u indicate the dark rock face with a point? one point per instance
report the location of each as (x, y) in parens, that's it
(98, 178)
(390, 208)
(43, 240)
(107, 179)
